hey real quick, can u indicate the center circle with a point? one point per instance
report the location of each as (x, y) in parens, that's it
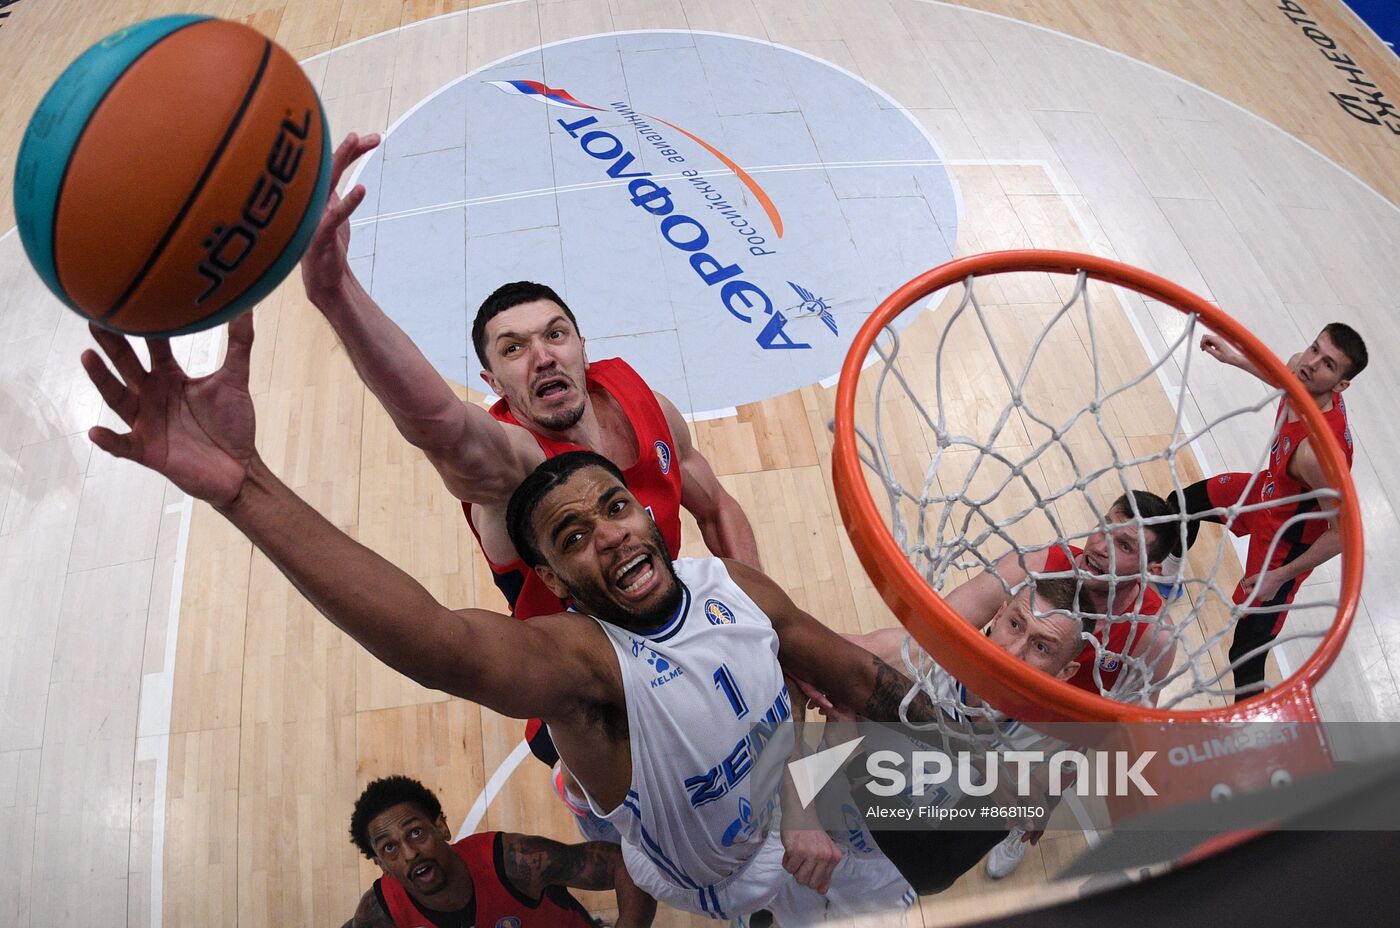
(721, 212)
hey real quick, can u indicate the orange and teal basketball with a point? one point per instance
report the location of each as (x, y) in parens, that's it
(173, 175)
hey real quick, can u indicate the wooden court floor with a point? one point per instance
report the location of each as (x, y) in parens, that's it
(181, 737)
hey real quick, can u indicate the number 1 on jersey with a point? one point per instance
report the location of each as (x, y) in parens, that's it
(724, 682)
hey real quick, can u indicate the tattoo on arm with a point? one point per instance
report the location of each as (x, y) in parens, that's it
(889, 691)
(534, 864)
(370, 914)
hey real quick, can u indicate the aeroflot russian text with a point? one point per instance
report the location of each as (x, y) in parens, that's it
(742, 299)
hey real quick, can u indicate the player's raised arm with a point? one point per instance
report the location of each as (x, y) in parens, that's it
(478, 457)
(1225, 353)
(199, 433)
(978, 599)
(847, 674)
(722, 522)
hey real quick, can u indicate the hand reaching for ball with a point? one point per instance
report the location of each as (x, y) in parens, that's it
(325, 268)
(198, 432)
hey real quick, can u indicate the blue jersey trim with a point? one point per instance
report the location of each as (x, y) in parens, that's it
(677, 621)
(667, 866)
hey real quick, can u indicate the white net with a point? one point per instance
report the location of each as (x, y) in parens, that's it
(1024, 432)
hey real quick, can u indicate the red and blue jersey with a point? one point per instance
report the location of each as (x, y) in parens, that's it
(654, 479)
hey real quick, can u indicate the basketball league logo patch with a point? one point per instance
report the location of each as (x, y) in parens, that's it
(510, 921)
(663, 457)
(1109, 663)
(718, 613)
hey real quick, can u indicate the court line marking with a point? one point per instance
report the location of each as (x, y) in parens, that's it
(873, 88)
(1366, 25)
(154, 712)
(413, 25)
(794, 168)
(492, 789)
(1163, 71)
(1081, 815)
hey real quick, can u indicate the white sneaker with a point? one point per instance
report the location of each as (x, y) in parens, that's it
(1168, 576)
(1171, 567)
(1007, 856)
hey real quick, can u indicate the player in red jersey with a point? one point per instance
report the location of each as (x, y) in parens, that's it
(492, 878)
(1325, 369)
(1109, 570)
(553, 400)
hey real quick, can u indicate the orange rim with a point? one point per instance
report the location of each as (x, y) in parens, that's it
(967, 654)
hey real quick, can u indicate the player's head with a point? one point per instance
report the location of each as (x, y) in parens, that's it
(531, 353)
(575, 522)
(1117, 551)
(1333, 359)
(1035, 628)
(398, 824)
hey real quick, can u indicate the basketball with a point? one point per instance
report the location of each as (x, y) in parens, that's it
(172, 176)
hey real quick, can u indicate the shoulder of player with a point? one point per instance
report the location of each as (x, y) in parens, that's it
(577, 636)
(370, 913)
(523, 443)
(748, 579)
(488, 481)
(1013, 566)
(762, 589)
(675, 420)
(1303, 464)
(1034, 560)
(525, 862)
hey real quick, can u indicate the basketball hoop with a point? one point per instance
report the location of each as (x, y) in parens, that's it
(936, 529)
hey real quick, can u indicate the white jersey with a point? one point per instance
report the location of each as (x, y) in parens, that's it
(995, 730)
(964, 727)
(709, 722)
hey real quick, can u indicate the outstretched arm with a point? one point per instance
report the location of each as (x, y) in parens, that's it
(978, 600)
(534, 864)
(480, 459)
(847, 674)
(472, 653)
(722, 522)
(1225, 353)
(200, 434)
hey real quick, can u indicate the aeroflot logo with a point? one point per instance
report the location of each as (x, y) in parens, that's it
(713, 258)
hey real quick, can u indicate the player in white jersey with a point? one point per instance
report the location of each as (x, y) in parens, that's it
(574, 520)
(1043, 633)
(707, 704)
